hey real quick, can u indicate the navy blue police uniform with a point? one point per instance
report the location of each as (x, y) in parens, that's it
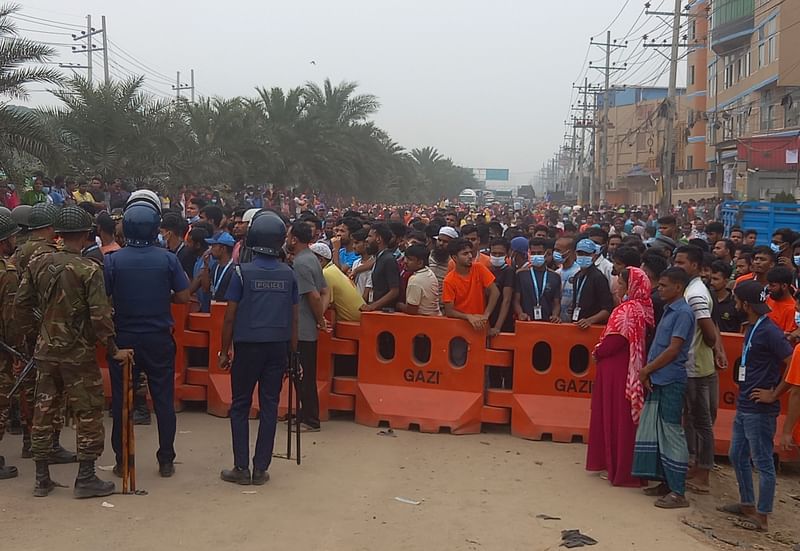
(140, 278)
(264, 295)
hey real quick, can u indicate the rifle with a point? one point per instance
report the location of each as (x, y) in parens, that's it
(16, 353)
(295, 375)
(18, 383)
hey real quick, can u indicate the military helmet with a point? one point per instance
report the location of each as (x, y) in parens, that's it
(20, 215)
(72, 219)
(5, 210)
(140, 224)
(144, 196)
(42, 215)
(7, 226)
(267, 234)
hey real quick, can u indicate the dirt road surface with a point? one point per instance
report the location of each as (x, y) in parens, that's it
(480, 492)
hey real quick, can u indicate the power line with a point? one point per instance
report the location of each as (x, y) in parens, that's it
(622, 9)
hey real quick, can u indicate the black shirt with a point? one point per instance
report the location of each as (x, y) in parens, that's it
(187, 257)
(222, 277)
(503, 278)
(385, 275)
(527, 292)
(591, 293)
(725, 315)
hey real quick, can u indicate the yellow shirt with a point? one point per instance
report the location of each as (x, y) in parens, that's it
(345, 298)
(82, 197)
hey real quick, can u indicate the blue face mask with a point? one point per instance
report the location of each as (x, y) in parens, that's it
(45, 189)
(161, 241)
(537, 260)
(775, 248)
(558, 258)
(797, 261)
(584, 262)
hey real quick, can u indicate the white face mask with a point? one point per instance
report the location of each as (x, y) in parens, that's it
(497, 261)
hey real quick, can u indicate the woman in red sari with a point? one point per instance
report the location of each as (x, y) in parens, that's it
(617, 394)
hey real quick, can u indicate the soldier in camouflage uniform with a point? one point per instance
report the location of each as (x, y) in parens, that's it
(9, 282)
(76, 316)
(41, 240)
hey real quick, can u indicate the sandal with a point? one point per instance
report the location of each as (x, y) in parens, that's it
(752, 524)
(732, 509)
(697, 488)
(657, 491)
(672, 501)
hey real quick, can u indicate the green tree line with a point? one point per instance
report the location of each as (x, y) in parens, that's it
(310, 137)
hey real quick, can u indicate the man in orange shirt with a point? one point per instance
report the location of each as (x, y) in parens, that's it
(470, 233)
(469, 292)
(779, 283)
(763, 262)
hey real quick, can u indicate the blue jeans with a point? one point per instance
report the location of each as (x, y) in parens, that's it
(753, 436)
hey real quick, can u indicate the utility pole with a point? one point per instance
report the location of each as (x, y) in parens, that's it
(89, 48)
(669, 132)
(609, 47)
(585, 91)
(178, 86)
(105, 49)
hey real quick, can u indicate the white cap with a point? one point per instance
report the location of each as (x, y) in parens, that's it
(249, 214)
(449, 232)
(321, 249)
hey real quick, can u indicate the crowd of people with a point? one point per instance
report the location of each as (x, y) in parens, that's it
(664, 288)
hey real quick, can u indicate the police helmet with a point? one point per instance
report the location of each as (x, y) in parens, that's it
(5, 210)
(248, 216)
(140, 224)
(144, 196)
(72, 219)
(42, 215)
(20, 215)
(267, 234)
(7, 226)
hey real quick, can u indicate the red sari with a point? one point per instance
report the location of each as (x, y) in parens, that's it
(617, 394)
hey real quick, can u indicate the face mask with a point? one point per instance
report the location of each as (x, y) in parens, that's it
(161, 241)
(537, 260)
(45, 190)
(797, 261)
(775, 248)
(558, 258)
(624, 298)
(583, 262)
(498, 261)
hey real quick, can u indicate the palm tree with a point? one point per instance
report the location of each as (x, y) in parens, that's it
(21, 132)
(337, 104)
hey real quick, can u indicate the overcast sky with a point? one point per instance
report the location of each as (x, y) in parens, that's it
(488, 83)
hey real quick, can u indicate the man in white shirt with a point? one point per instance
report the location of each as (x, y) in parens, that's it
(422, 292)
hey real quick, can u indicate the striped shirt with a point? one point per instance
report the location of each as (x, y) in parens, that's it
(701, 356)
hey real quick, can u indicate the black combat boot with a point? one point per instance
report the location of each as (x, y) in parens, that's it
(88, 485)
(7, 471)
(236, 475)
(26, 443)
(59, 455)
(44, 485)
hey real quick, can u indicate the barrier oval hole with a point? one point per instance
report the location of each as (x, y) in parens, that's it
(579, 359)
(541, 357)
(422, 349)
(458, 352)
(385, 346)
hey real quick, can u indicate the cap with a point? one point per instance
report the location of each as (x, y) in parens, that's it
(223, 238)
(754, 294)
(449, 232)
(586, 246)
(321, 249)
(249, 214)
(519, 245)
(663, 242)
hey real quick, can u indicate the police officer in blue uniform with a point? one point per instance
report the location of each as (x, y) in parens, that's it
(261, 324)
(142, 280)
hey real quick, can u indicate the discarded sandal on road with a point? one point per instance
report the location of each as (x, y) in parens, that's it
(573, 538)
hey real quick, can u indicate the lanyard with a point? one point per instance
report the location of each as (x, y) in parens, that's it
(219, 277)
(180, 247)
(536, 286)
(580, 290)
(750, 338)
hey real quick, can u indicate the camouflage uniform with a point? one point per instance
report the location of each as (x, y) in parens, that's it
(9, 281)
(76, 315)
(32, 248)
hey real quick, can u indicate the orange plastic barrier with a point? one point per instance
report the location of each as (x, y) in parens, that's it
(553, 376)
(430, 392)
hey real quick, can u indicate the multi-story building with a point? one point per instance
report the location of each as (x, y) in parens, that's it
(752, 103)
(636, 142)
